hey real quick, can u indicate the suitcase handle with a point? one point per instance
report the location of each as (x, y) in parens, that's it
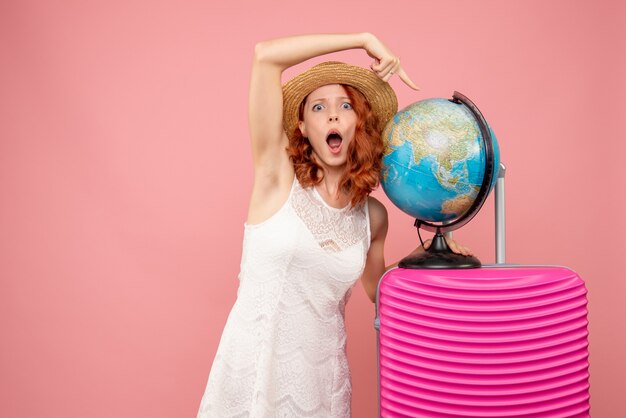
(500, 216)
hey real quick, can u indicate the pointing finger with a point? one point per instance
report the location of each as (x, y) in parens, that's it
(407, 80)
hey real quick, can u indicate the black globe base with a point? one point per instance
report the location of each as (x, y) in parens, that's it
(439, 256)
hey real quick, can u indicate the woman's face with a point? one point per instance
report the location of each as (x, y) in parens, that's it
(329, 123)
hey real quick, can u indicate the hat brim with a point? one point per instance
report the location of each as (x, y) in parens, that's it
(377, 92)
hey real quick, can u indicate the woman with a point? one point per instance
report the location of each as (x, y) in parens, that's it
(312, 229)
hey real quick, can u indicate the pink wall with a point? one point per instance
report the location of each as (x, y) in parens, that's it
(125, 173)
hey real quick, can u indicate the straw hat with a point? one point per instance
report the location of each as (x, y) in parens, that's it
(378, 93)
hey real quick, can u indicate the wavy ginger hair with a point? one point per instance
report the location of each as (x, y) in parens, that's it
(365, 153)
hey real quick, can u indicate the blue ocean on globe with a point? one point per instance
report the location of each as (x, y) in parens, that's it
(434, 160)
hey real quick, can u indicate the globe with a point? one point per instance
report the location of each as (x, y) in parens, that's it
(440, 163)
(435, 160)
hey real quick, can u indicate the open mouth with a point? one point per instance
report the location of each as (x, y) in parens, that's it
(334, 140)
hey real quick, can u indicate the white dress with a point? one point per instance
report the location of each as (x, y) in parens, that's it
(283, 348)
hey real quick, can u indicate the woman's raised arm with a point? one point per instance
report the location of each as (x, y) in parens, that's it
(272, 57)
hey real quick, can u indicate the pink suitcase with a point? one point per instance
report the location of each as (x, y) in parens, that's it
(495, 341)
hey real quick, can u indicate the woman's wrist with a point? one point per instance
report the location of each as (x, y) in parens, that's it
(367, 39)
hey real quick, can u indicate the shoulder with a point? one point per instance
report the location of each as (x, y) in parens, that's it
(378, 218)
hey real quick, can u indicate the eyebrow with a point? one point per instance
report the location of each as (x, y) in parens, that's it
(321, 99)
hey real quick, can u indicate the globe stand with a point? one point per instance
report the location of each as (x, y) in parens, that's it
(439, 256)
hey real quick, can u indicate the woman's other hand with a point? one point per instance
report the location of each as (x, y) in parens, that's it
(452, 244)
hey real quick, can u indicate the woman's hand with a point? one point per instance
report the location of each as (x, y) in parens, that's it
(386, 63)
(452, 244)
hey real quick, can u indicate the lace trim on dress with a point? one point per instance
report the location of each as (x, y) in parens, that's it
(333, 229)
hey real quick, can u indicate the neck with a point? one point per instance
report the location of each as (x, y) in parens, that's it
(330, 186)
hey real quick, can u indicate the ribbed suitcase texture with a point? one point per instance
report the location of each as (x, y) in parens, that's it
(501, 341)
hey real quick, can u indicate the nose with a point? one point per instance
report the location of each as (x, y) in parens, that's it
(333, 118)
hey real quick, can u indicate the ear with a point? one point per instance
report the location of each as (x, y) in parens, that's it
(302, 128)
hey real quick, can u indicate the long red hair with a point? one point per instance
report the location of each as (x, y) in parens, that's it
(365, 153)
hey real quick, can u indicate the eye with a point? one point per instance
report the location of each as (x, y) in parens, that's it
(317, 107)
(346, 105)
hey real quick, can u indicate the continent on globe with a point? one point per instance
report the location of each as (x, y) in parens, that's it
(457, 206)
(447, 139)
